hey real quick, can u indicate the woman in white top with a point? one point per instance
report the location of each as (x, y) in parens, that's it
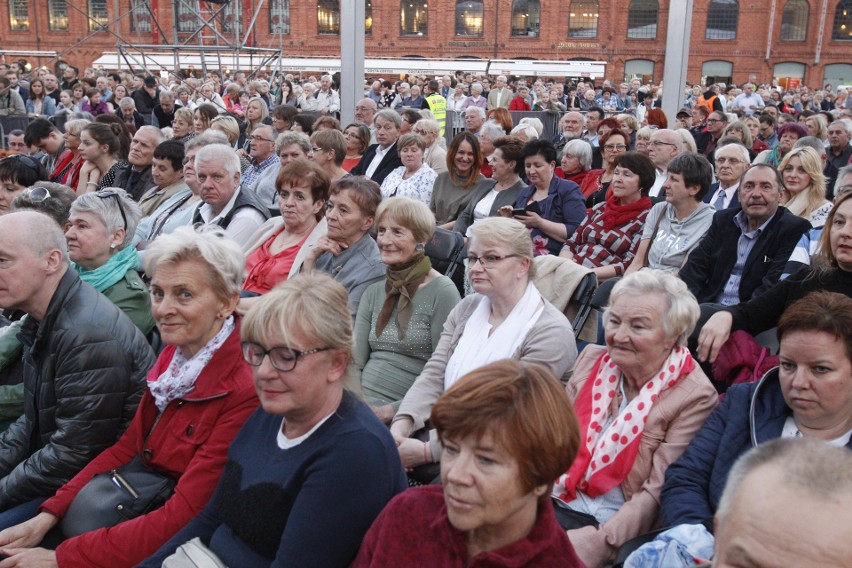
(413, 178)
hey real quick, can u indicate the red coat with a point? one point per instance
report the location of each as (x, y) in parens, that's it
(518, 103)
(190, 443)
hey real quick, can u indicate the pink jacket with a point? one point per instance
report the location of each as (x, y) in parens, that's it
(674, 420)
(190, 443)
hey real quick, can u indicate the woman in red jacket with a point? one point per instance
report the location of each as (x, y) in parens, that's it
(199, 393)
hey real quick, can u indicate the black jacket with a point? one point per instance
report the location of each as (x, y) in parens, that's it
(134, 186)
(388, 164)
(710, 197)
(710, 265)
(84, 373)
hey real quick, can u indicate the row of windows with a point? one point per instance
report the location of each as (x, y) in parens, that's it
(642, 19)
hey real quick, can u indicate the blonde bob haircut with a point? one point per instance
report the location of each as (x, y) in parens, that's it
(502, 231)
(412, 214)
(812, 197)
(210, 246)
(682, 309)
(524, 408)
(307, 311)
(75, 126)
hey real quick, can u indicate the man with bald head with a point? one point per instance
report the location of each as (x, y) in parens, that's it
(84, 370)
(665, 144)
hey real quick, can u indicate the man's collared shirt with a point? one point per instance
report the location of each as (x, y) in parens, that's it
(730, 295)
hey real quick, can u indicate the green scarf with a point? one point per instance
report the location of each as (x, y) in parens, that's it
(400, 286)
(111, 271)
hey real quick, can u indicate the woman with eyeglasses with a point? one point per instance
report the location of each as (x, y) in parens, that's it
(99, 146)
(550, 207)
(506, 317)
(328, 150)
(99, 232)
(199, 393)
(18, 172)
(413, 178)
(596, 184)
(313, 467)
(607, 239)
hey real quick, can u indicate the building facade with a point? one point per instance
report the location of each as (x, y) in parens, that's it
(808, 41)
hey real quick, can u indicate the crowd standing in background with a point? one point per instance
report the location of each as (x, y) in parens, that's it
(186, 263)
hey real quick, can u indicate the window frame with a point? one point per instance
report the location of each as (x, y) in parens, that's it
(716, 9)
(407, 5)
(460, 30)
(584, 19)
(533, 28)
(639, 14)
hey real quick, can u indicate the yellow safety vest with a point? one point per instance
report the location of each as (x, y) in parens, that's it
(438, 106)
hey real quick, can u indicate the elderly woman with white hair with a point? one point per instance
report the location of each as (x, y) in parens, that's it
(506, 317)
(100, 229)
(413, 178)
(576, 161)
(639, 400)
(435, 155)
(307, 102)
(475, 99)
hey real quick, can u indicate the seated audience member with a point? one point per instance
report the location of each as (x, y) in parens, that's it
(804, 186)
(328, 150)
(131, 117)
(283, 497)
(164, 113)
(644, 390)
(17, 172)
(135, 177)
(347, 251)
(507, 421)
(831, 270)
(400, 320)
(261, 154)
(454, 189)
(99, 233)
(435, 155)
(289, 146)
(42, 134)
(167, 175)
(787, 503)
(183, 129)
(788, 134)
(674, 228)
(99, 148)
(507, 165)
(522, 324)
(790, 401)
(215, 394)
(413, 178)
(304, 123)
(280, 246)
(596, 184)
(202, 117)
(178, 210)
(730, 161)
(39, 103)
(381, 158)
(239, 212)
(576, 161)
(70, 162)
(85, 398)
(229, 126)
(94, 105)
(743, 253)
(553, 206)
(357, 137)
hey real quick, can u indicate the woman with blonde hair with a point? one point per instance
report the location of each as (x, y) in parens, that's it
(804, 185)
(817, 127)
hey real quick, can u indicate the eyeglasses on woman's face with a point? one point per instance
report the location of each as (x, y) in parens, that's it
(282, 358)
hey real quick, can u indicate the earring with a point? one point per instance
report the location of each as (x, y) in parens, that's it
(112, 246)
(420, 247)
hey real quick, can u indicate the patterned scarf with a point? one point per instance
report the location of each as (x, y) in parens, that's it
(401, 284)
(607, 454)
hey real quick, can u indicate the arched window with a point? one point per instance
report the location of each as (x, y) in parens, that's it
(842, 29)
(642, 19)
(526, 18)
(413, 17)
(328, 17)
(470, 15)
(57, 15)
(140, 19)
(722, 16)
(794, 20)
(19, 15)
(583, 18)
(98, 17)
(279, 17)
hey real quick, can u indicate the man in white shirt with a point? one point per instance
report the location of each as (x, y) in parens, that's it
(748, 101)
(238, 212)
(665, 144)
(731, 161)
(500, 96)
(327, 98)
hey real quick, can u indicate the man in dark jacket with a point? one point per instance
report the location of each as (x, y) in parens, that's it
(744, 252)
(381, 159)
(84, 366)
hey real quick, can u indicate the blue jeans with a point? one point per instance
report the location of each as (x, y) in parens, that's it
(20, 514)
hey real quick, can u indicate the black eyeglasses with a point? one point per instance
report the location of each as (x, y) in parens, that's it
(282, 358)
(106, 194)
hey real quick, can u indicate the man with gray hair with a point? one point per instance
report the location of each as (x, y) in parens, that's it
(328, 100)
(128, 113)
(839, 151)
(665, 144)
(748, 101)
(135, 178)
(164, 113)
(500, 96)
(474, 118)
(787, 503)
(84, 371)
(238, 212)
(732, 160)
(381, 158)
(289, 146)
(843, 185)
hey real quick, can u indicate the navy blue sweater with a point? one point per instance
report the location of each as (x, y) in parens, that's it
(309, 505)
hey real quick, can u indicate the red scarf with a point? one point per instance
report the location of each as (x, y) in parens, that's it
(616, 215)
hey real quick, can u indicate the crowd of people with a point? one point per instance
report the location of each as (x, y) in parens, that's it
(223, 335)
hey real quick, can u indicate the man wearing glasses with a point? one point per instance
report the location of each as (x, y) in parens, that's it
(664, 146)
(732, 160)
(261, 153)
(716, 123)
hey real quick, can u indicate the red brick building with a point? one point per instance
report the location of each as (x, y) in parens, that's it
(808, 40)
